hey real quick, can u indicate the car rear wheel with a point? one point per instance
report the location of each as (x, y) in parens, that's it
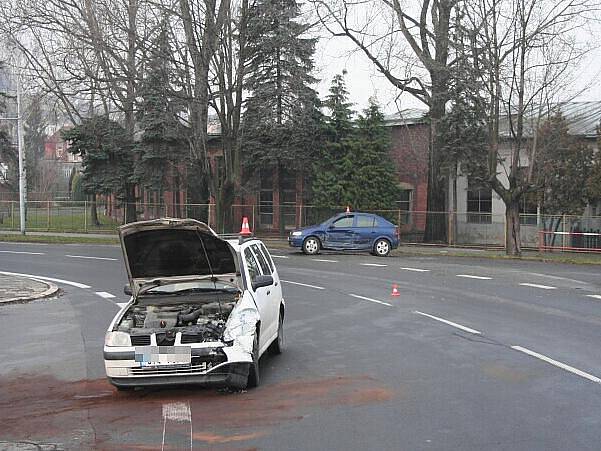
(382, 247)
(254, 377)
(311, 245)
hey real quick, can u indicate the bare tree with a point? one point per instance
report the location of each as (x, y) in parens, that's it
(425, 30)
(524, 52)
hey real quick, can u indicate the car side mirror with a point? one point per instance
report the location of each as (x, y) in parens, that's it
(262, 281)
(127, 290)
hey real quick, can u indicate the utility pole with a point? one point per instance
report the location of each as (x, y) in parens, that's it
(22, 166)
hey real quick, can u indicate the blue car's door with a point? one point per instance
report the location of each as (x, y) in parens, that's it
(339, 233)
(363, 231)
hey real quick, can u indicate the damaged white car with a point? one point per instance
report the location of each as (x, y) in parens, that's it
(203, 309)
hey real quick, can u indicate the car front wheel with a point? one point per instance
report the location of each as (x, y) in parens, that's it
(311, 246)
(382, 247)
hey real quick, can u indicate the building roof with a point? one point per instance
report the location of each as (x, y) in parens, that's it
(408, 116)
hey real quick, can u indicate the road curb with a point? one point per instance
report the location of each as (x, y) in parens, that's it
(49, 292)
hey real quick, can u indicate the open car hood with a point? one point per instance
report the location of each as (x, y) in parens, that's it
(170, 250)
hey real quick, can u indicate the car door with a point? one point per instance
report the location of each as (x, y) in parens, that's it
(339, 233)
(273, 293)
(260, 295)
(363, 231)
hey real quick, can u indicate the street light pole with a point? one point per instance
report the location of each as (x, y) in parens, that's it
(22, 167)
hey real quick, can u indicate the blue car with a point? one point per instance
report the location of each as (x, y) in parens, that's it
(348, 231)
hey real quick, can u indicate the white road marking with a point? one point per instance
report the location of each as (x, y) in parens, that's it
(51, 279)
(416, 269)
(105, 295)
(450, 323)
(279, 256)
(324, 260)
(534, 285)
(563, 366)
(92, 258)
(121, 304)
(370, 300)
(178, 412)
(594, 296)
(379, 265)
(469, 276)
(303, 284)
(22, 252)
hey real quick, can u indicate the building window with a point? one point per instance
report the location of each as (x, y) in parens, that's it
(266, 198)
(479, 204)
(405, 205)
(528, 209)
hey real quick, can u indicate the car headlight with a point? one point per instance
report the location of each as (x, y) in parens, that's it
(117, 339)
(297, 233)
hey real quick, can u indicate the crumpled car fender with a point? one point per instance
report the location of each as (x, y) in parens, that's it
(241, 325)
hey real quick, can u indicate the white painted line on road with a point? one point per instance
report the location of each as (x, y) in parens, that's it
(379, 265)
(279, 256)
(450, 323)
(469, 276)
(51, 279)
(105, 295)
(416, 269)
(534, 285)
(563, 366)
(594, 296)
(121, 304)
(303, 284)
(370, 300)
(178, 412)
(22, 252)
(324, 260)
(91, 258)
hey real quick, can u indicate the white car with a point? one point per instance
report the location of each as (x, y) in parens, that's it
(203, 309)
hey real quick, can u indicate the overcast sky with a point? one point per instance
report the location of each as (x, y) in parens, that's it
(337, 53)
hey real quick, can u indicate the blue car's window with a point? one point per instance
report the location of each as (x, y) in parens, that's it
(341, 223)
(365, 221)
(383, 222)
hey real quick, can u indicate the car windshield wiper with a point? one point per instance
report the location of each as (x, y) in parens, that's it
(203, 290)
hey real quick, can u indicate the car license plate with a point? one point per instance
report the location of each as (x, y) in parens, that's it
(163, 355)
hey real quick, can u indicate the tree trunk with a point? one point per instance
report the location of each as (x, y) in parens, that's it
(130, 203)
(512, 228)
(94, 211)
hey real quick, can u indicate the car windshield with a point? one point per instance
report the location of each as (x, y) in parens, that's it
(190, 287)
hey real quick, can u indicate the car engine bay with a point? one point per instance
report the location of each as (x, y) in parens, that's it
(197, 321)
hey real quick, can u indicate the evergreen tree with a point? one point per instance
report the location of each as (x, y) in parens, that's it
(281, 123)
(593, 184)
(161, 150)
(563, 168)
(373, 180)
(331, 184)
(107, 156)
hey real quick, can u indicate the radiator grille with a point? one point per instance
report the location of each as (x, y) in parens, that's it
(140, 340)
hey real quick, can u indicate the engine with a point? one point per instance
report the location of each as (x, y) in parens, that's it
(197, 322)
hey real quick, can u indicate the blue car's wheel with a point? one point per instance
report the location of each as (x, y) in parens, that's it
(311, 245)
(382, 247)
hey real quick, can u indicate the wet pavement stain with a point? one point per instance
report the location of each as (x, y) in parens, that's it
(46, 409)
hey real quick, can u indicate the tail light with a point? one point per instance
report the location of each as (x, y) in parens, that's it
(397, 231)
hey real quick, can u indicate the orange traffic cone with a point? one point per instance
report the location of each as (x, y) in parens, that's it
(395, 290)
(245, 230)
(348, 209)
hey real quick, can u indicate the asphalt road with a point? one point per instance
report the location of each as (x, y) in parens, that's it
(473, 354)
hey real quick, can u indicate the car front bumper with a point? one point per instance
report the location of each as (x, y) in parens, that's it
(220, 366)
(295, 241)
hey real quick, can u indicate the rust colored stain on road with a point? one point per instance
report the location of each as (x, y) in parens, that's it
(92, 413)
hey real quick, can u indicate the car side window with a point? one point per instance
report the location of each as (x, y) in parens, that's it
(267, 256)
(261, 259)
(365, 221)
(251, 263)
(344, 222)
(381, 222)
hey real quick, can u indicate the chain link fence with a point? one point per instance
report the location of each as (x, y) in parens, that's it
(545, 232)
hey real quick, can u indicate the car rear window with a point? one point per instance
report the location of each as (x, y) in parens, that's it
(365, 221)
